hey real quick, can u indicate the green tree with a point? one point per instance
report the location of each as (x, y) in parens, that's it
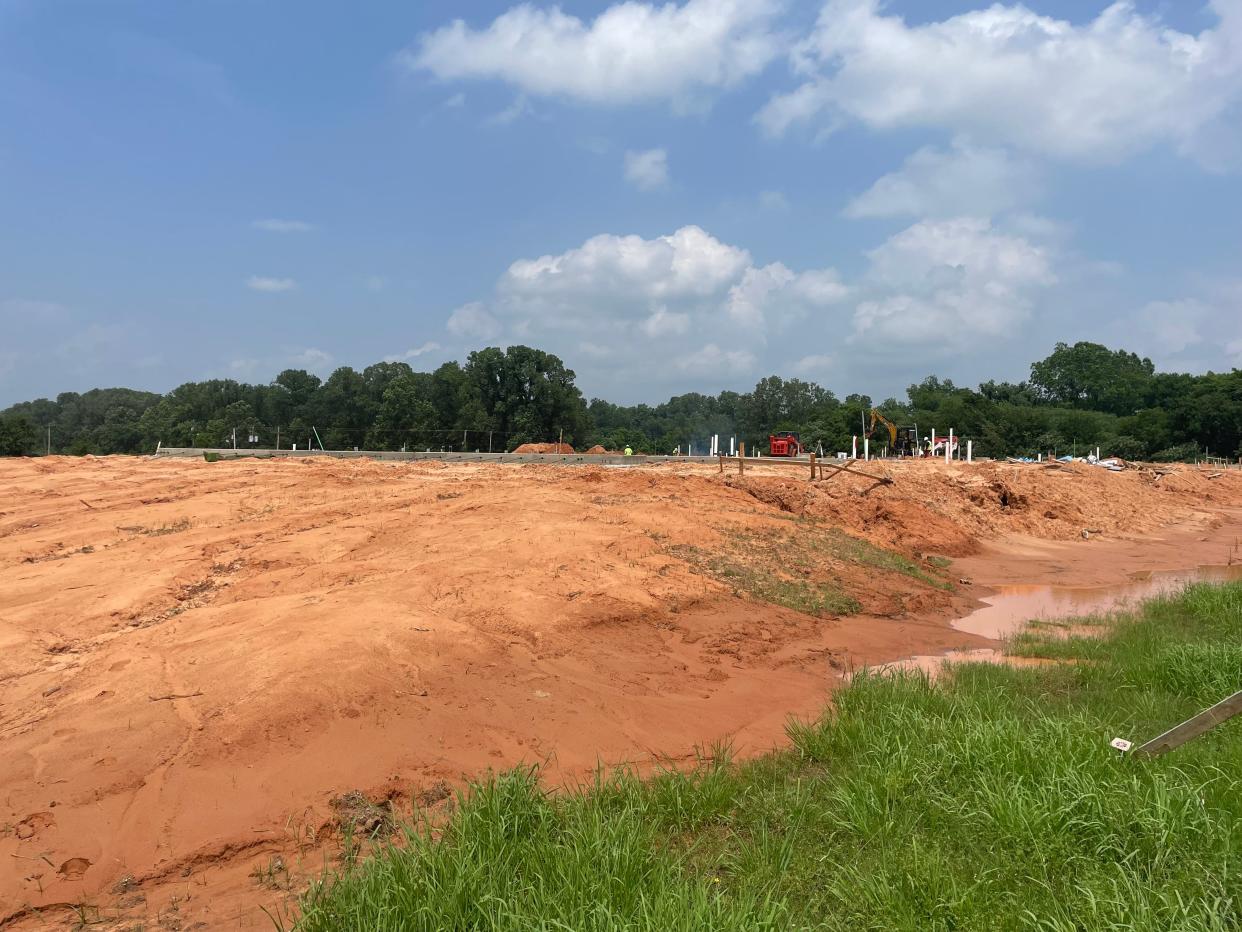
(1088, 375)
(18, 436)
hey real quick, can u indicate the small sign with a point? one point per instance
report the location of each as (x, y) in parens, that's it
(1121, 744)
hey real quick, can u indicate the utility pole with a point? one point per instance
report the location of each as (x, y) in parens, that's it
(277, 436)
(49, 439)
(463, 441)
(489, 441)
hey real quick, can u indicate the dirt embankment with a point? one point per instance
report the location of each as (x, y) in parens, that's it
(197, 659)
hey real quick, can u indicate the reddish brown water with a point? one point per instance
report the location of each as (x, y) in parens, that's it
(1008, 611)
(1014, 606)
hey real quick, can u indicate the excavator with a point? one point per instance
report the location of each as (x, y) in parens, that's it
(902, 441)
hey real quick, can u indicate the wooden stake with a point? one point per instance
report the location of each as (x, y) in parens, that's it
(812, 467)
(741, 457)
(1194, 726)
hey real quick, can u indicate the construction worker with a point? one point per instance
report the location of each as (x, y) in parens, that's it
(628, 451)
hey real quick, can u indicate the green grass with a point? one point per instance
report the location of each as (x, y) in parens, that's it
(797, 567)
(989, 799)
(763, 580)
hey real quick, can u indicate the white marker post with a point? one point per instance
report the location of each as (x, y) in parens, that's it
(970, 450)
(931, 450)
(948, 448)
(731, 440)
(854, 448)
(867, 449)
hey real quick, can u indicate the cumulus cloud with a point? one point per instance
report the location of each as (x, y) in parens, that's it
(775, 294)
(712, 359)
(311, 358)
(686, 265)
(1168, 328)
(472, 321)
(647, 170)
(817, 365)
(1097, 91)
(961, 180)
(940, 282)
(270, 285)
(274, 225)
(686, 304)
(631, 52)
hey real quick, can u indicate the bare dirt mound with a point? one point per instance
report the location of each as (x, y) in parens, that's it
(544, 448)
(198, 661)
(597, 450)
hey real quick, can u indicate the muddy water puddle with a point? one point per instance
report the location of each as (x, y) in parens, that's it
(1012, 607)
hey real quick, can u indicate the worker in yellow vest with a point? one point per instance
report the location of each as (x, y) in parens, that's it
(628, 451)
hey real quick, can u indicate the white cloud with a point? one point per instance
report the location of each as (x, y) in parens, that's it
(632, 51)
(686, 265)
(663, 323)
(774, 294)
(270, 285)
(1097, 91)
(273, 225)
(959, 181)
(950, 282)
(647, 170)
(712, 360)
(1175, 325)
(669, 309)
(311, 358)
(816, 365)
(429, 347)
(773, 200)
(511, 114)
(472, 321)
(1209, 318)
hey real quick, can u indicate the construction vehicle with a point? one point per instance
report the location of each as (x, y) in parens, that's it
(902, 441)
(784, 443)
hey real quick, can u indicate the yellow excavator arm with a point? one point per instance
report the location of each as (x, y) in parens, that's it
(877, 417)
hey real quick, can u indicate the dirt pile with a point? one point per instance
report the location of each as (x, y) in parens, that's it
(197, 659)
(544, 448)
(597, 450)
(933, 507)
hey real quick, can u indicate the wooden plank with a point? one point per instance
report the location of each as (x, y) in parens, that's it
(741, 457)
(812, 467)
(1194, 726)
(884, 480)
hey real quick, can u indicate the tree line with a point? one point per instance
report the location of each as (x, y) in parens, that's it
(1079, 397)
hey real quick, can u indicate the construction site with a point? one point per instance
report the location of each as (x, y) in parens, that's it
(207, 666)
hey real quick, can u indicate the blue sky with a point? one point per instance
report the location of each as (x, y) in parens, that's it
(672, 197)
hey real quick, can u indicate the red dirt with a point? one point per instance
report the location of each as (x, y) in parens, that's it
(196, 659)
(597, 450)
(544, 448)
